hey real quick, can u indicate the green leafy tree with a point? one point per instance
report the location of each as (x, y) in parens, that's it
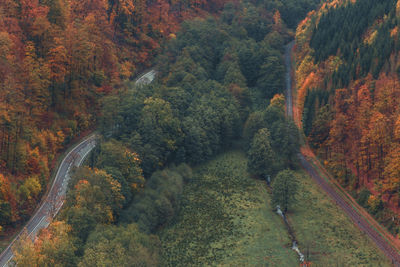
(285, 141)
(250, 61)
(275, 112)
(159, 201)
(284, 189)
(5, 212)
(121, 246)
(271, 77)
(253, 124)
(233, 75)
(261, 156)
(161, 130)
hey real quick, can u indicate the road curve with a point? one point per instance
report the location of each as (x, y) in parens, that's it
(349, 208)
(56, 195)
(146, 78)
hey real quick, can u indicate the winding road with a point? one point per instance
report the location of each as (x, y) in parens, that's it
(357, 214)
(56, 195)
(54, 199)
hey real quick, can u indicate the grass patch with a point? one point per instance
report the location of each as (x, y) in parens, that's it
(332, 238)
(226, 219)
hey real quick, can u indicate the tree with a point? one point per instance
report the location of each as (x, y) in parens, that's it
(253, 124)
(261, 156)
(121, 246)
(28, 193)
(5, 212)
(123, 165)
(53, 246)
(275, 40)
(320, 127)
(285, 141)
(159, 129)
(57, 12)
(250, 61)
(94, 197)
(5, 207)
(392, 171)
(284, 189)
(233, 75)
(275, 112)
(159, 201)
(24, 251)
(271, 80)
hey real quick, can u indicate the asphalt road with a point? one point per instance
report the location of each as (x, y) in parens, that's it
(288, 79)
(56, 195)
(146, 78)
(329, 188)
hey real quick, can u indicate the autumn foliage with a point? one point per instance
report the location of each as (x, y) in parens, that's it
(348, 92)
(57, 59)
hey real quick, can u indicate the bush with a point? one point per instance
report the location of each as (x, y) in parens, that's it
(185, 171)
(159, 201)
(363, 197)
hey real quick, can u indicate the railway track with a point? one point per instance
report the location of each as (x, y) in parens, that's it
(365, 223)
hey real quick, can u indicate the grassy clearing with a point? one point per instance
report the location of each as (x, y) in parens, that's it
(332, 238)
(226, 220)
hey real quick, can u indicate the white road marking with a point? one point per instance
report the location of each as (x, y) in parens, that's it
(56, 179)
(39, 223)
(144, 79)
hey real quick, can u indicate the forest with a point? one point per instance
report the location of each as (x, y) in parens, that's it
(347, 74)
(220, 83)
(205, 165)
(60, 60)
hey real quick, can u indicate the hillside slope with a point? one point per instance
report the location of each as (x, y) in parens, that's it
(57, 59)
(347, 68)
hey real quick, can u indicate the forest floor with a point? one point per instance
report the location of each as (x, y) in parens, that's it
(226, 219)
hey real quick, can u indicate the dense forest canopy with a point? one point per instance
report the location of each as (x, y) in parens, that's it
(348, 77)
(60, 58)
(218, 77)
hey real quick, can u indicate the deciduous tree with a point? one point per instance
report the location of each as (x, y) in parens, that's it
(284, 189)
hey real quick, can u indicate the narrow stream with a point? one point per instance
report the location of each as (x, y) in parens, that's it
(291, 234)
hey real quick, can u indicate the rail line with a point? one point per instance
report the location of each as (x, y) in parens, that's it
(365, 223)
